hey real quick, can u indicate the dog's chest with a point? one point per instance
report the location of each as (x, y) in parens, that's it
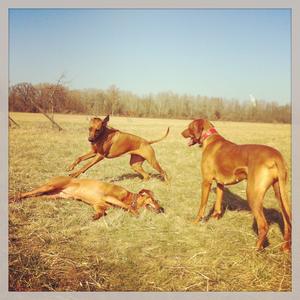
(102, 147)
(112, 145)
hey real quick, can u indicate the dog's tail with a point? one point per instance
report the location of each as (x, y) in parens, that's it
(282, 180)
(156, 141)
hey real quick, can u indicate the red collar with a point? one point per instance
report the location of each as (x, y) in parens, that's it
(207, 133)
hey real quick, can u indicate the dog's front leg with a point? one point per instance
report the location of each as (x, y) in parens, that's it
(90, 154)
(117, 202)
(218, 205)
(206, 185)
(87, 166)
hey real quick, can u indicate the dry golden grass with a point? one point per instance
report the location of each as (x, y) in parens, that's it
(56, 246)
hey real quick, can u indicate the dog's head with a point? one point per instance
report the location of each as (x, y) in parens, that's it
(195, 130)
(146, 199)
(96, 128)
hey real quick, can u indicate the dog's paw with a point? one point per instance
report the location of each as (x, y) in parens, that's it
(96, 217)
(200, 221)
(14, 198)
(286, 247)
(70, 168)
(133, 211)
(216, 215)
(74, 174)
(167, 180)
(99, 215)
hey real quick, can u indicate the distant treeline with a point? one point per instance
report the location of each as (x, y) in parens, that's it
(57, 98)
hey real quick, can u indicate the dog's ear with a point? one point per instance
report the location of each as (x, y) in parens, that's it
(105, 120)
(90, 117)
(147, 192)
(198, 128)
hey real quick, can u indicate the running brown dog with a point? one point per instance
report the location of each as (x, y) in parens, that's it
(107, 142)
(100, 195)
(227, 163)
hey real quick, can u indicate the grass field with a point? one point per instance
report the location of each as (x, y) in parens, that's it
(54, 245)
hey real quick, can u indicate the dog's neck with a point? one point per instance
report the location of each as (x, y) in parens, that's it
(131, 199)
(207, 133)
(105, 134)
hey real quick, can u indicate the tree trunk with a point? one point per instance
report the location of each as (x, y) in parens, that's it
(41, 110)
(11, 120)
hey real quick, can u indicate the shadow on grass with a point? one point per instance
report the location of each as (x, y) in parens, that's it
(132, 176)
(234, 202)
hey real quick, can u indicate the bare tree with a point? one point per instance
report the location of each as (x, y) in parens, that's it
(113, 97)
(53, 93)
(29, 94)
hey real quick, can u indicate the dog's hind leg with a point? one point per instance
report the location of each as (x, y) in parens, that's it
(136, 162)
(149, 154)
(258, 183)
(42, 190)
(286, 219)
(53, 187)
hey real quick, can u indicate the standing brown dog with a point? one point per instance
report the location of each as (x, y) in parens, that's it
(108, 142)
(228, 163)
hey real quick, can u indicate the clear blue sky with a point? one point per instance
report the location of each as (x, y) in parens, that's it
(225, 53)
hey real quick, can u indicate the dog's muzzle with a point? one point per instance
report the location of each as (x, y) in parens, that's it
(94, 138)
(161, 210)
(192, 141)
(155, 210)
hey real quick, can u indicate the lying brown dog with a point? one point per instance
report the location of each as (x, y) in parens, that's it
(100, 195)
(108, 142)
(227, 163)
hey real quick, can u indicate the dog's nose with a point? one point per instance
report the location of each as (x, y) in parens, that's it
(161, 210)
